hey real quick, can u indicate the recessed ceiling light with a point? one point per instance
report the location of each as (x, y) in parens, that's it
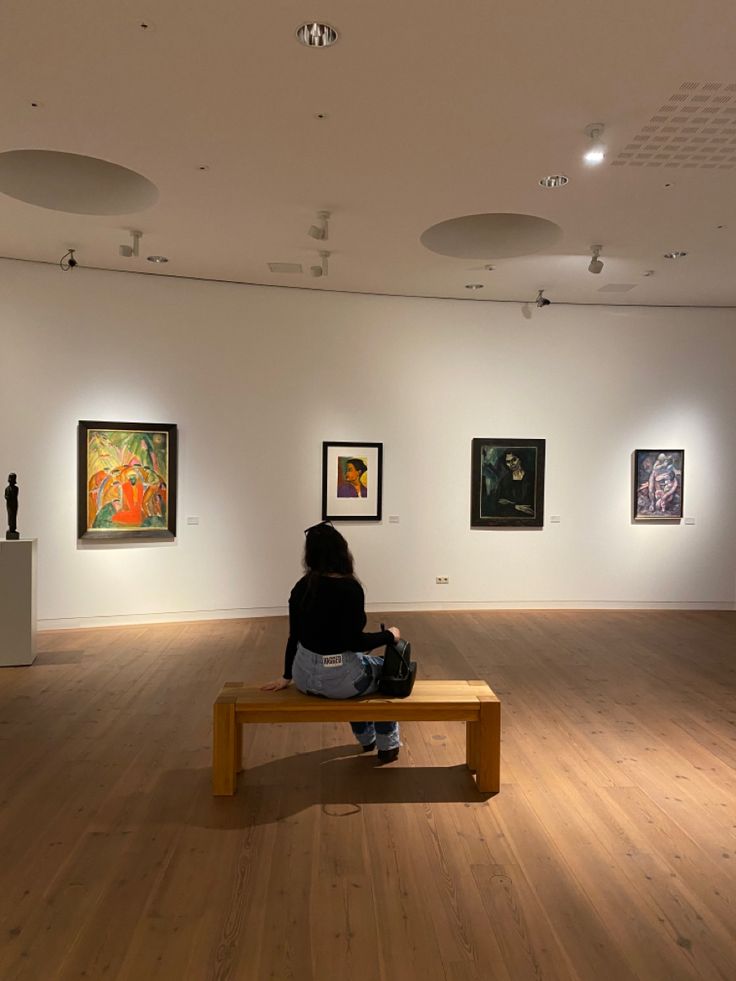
(675, 255)
(594, 157)
(474, 286)
(554, 180)
(157, 258)
(596, 151)
(316, 35)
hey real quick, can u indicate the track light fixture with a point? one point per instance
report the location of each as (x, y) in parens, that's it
(596, 263)
(321, 230)
(541, 300)
(68, 261)
(322, 269)
(132, 250)
(596, 152)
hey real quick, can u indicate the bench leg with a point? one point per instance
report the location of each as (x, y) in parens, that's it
(224, 747)
(472, 740)
(238, 748)
(488, 776)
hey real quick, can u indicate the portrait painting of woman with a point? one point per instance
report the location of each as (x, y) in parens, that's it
(351, 481)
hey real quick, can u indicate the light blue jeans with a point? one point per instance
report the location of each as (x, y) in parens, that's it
(345, 675)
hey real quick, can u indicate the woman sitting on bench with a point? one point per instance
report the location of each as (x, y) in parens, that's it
(325, 651)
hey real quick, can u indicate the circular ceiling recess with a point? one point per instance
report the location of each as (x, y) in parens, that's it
(70, 182)
(497, 236)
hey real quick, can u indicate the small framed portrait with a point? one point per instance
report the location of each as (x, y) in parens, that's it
(507, 483)
(352, 478)
(658, 485)
(126, 473)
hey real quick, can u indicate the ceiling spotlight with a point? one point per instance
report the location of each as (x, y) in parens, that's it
(596, 264)
(596, 151)
(554, 180)
(157, 258)
(675, 255)
(541, 300)
(316, 35)
(321, 230)
(68, 261)
(130, 251)
(322, 269)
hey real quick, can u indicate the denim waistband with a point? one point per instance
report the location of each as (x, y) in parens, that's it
(311, 658)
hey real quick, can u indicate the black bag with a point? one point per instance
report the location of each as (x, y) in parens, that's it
(399, 672)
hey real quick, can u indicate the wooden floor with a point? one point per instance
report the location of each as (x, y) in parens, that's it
(610, 853)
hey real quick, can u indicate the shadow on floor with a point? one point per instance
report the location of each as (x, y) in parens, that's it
(48, 658)
(338, 779)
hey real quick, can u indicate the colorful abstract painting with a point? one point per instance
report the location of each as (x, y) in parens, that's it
(507, 483)
(658, 481)
(127, 481)
(351, 481)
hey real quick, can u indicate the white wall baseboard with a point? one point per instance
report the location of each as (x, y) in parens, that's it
(248, 613)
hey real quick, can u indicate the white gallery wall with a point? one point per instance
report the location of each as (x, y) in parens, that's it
(256, 378)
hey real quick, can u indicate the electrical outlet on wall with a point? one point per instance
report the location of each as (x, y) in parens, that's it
(442, 580)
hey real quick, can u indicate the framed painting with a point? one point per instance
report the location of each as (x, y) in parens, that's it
(352, 478)
(658, 485)
(507, 483)
(126, 481)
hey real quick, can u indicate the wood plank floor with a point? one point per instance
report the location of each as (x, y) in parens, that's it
(609, 855)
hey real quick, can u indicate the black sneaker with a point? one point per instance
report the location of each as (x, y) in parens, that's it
(370, 747)
(388, 756)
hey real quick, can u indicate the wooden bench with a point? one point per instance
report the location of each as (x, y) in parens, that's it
(471, 702)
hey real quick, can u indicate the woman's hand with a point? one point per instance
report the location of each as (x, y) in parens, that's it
(395, 631)
(276, 685)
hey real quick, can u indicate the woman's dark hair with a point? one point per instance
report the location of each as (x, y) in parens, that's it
(359, 465)
(325, 550)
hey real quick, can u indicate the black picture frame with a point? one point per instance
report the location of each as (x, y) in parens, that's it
(161, 497)
(340, 500)
(522, 506)
(647, 500)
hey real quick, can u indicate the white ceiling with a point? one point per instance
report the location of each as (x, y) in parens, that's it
(435, 109)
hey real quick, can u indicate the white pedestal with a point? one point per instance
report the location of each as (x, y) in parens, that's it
(17, 602)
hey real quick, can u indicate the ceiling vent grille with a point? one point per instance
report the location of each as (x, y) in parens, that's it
(689, 130)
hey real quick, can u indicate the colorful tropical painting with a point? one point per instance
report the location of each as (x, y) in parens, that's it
(128, 472)
(658, 478)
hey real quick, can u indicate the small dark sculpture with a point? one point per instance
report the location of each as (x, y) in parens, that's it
(11, 502)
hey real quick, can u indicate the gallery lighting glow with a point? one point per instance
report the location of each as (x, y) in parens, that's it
(157, 258)
(596, 152)
(317, 35)
(554, 180)
(675, 255)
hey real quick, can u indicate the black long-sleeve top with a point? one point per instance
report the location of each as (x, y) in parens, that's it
(327, 616)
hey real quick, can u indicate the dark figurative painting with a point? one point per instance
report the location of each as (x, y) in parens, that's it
(658, 484)
(351, 481)
(127, 481)
(507, 483)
